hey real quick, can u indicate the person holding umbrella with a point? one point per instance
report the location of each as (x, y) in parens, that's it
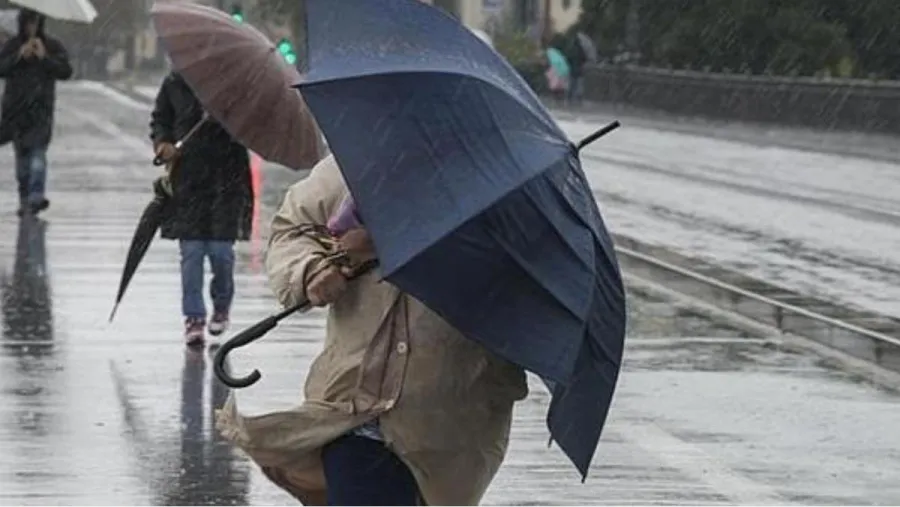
(558, 72)
(580, 51)
(400, 406)
(31, 62)
(212, 202)
(201, 117)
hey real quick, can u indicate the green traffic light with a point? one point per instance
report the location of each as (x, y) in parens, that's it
(287, 51)
(237, 13)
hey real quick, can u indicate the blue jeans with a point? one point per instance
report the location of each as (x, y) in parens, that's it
(31, 173)
(362, 471)
(221, 289)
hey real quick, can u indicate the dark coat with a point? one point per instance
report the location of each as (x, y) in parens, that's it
(575, 54)
(29, 97)
(213, 193)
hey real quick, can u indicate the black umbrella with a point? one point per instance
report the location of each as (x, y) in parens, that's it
(152, 217)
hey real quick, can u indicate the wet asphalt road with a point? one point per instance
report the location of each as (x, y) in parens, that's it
(98, 413)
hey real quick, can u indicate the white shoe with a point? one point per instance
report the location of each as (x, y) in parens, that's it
(218, 324)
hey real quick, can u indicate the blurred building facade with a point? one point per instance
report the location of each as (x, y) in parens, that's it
(121, 40)
(525, 15)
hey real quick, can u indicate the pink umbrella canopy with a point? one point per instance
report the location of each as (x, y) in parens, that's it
(241, 80)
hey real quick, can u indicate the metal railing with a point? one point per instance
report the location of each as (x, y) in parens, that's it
(865, 335)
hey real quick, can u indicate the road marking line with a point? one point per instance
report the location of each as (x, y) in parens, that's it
(107, 127)
(111, 129)
(693, 461)
(115, 95)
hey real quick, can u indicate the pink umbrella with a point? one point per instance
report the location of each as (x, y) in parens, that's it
(241, 80)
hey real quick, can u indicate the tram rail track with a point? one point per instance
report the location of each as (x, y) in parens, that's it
(864, 335)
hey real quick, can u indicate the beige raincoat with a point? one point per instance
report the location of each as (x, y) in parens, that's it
(444, 402)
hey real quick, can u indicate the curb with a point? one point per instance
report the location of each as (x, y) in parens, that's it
(774, 337)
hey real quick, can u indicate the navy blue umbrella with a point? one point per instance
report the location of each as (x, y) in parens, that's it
(474, 197)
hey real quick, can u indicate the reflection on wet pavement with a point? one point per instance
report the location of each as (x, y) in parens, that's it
(121, 414)
(30, 377)
(27, 307)
(199, 467)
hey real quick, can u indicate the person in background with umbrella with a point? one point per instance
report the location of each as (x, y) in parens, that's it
(355, 440)
(579, 51)
(212, 202)
(31, 62)
(558, 72)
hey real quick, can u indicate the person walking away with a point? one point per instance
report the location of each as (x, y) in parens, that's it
(31, 62)
(212, 202)
(399, 407)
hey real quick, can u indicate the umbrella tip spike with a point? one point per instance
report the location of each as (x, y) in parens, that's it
(112, 314)
(598, 134)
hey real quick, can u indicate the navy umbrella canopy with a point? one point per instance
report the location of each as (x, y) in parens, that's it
(474, 197)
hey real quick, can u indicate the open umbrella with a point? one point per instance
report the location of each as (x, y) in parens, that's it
(474, 197)
(79, 11)
(558, 62)
(588, 46)
(241, 80)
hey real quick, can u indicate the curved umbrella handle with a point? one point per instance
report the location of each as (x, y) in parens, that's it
(257, 331)
(246, 337)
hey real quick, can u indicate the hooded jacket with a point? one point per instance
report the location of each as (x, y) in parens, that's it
(29, 97)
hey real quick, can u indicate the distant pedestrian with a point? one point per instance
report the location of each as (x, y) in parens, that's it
(558, 73)
(580, 51)
(213, 203)
(31, 62)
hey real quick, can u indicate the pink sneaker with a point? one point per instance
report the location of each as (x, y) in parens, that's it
(219, 323)
(194, 335)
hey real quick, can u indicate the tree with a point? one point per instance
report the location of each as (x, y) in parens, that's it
(604, 22)
(758, 36)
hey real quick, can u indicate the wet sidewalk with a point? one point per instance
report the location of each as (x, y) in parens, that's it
(120, 414)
